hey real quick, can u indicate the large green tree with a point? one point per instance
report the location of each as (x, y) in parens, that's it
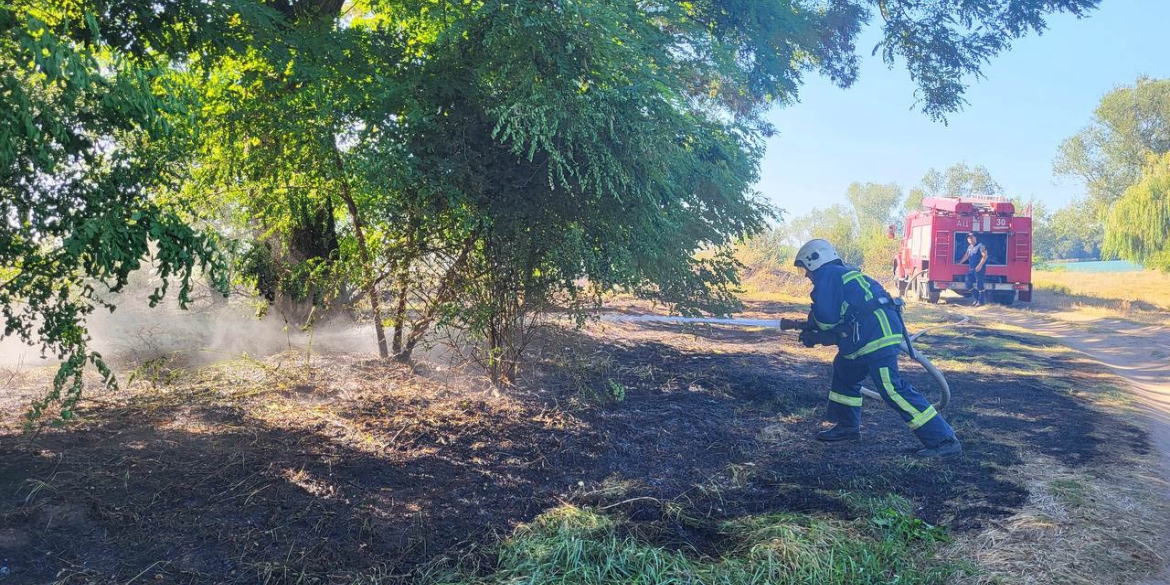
(1069, 233)
(1131, 123)
(87, 135)
(484, 155)
(958, 180)
(875, 204)
(283, 118)
(837, 224)
(877, 208)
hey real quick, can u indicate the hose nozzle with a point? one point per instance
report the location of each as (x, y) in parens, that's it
(793, 324)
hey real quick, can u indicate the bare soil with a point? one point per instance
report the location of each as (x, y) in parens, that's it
(269, 474)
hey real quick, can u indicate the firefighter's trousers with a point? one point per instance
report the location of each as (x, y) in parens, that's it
(845, 397)
(975, 281)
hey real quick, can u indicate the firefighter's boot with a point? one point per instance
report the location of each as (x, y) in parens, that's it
(839, 433)
(947, 448)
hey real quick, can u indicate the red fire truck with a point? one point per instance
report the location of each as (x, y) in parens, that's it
(935, 238)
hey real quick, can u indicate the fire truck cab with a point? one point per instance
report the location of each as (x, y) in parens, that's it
(934, 239)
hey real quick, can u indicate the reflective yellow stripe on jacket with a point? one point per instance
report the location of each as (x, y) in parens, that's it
(888, 337)
(861, 280)
(879, 343)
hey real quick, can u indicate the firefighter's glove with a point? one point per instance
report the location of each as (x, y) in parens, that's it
(813, 338)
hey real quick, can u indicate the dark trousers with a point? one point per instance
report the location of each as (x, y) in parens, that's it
(845, 398)
(974, 277)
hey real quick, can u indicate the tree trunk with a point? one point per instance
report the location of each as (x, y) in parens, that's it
(400, 310)
(445, 293)
(404, 286)
(364, 252)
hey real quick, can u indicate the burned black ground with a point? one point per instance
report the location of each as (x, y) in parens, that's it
(371, 468)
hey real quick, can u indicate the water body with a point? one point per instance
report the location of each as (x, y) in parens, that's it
(1106, 266)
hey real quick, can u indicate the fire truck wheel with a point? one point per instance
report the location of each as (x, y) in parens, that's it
(902, 283)
(927, 295)
(922, 290)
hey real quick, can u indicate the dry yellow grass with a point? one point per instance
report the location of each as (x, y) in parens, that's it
(1084, 526)
(1078, 296)
(1096, 524)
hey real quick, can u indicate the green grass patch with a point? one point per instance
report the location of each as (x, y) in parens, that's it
(1069, 491)
(571, 545)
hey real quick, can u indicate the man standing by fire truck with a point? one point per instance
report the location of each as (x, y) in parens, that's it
(853, 312)
(976, 259)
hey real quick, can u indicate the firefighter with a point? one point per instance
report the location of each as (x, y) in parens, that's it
(853, 312)
(976, 259)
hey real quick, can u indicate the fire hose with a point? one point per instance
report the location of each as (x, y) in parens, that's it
(798, 325)
(944, 387)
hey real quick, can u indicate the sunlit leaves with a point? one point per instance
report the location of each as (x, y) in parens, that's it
(82, 147)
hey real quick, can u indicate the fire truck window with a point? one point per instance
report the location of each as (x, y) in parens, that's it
(920, 242)
(996, 247)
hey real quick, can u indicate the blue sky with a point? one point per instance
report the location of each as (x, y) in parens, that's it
(1041, 91)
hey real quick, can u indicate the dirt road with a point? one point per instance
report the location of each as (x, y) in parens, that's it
(1138, 353)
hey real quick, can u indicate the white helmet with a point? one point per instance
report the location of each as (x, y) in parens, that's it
(814, 254)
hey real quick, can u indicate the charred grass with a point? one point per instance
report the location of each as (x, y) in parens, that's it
(646, 452)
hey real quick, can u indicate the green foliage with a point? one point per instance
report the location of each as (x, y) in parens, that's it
(482, 160)
(959, 180)
(274, 114)
(838, 225)
(860, 231)
(1138, 226)
(574, 545)
(772, 248)
(1071, 232)
(87, 135)
(875, 205)
(314, 281)
(877, 208)
(1130, 124)
(608, 142)
(617, 389)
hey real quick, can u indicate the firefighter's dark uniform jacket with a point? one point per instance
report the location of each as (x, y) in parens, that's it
(868, 331)
(843, 301)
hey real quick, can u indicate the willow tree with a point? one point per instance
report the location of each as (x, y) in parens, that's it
(1138, 225)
